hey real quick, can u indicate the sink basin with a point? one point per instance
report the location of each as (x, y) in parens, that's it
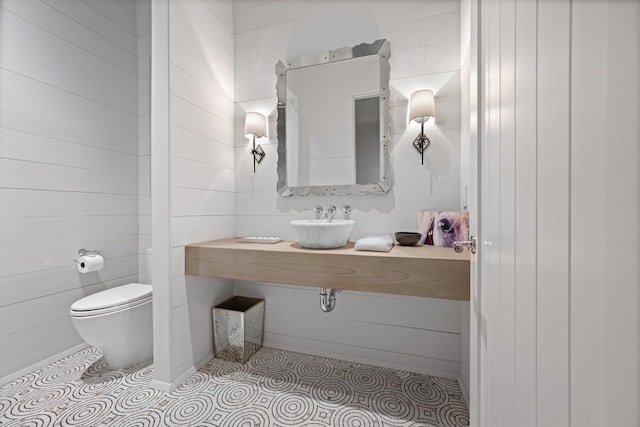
(322, 233)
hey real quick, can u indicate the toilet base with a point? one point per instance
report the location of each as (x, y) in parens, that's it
(116, 359)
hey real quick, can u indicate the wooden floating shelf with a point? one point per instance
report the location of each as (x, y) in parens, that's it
(424, 271)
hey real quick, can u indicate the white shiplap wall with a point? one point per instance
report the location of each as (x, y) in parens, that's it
(417, 334)
(68, 166)
(201, 166)
(143, 31)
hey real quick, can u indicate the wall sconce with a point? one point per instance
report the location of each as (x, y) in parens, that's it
(255, 124)
(421, 108)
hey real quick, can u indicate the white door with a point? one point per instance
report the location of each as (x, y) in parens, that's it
(555, 314)
(471, 18)
(520, 275)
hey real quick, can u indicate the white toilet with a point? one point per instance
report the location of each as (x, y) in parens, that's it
(118, 321)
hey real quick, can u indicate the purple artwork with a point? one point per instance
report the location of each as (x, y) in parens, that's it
(443, 228)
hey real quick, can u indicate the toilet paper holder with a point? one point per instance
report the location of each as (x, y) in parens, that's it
(85, 252)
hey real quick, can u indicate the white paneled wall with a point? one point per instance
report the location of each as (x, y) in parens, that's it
(201, 167)
(68, 166)
(604, 176)
(417, 334)
(143, 32)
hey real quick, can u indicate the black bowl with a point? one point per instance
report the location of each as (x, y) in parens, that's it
(407, 238)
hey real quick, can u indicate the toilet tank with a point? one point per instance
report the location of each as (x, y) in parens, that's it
(149, 263)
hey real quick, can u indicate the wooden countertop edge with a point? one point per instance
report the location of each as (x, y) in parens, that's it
(290, 246)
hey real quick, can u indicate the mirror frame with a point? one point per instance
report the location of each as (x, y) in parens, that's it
(379, 47)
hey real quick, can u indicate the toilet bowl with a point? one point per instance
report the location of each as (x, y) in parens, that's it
(118, 321)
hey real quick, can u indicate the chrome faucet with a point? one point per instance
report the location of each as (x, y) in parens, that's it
(346, 211)
(317, 211)
(330, 213)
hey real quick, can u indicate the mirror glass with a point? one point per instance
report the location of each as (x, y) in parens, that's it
(333, 122)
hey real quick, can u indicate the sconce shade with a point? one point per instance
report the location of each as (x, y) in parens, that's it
(255, 124)
(421, 106)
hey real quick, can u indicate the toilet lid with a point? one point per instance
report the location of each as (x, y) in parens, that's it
(114, 298)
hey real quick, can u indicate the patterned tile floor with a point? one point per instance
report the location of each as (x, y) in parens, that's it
(275, 388)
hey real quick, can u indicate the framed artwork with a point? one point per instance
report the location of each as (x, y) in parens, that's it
(443, 228)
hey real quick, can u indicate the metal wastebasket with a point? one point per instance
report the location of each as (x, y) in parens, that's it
(237, 328)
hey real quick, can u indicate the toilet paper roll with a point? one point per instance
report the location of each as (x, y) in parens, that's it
(89, 263)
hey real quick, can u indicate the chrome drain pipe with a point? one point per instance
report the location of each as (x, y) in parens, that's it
(327, 299)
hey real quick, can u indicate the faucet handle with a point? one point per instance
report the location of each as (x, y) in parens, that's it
(346, 211)
(317, 211)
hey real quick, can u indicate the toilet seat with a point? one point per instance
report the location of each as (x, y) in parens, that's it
(111, 300)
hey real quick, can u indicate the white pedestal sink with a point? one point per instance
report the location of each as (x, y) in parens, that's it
(322, 233)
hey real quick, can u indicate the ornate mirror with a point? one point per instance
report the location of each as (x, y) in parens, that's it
(333, 121)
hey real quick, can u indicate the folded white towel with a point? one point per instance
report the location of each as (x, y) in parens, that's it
(375, 242)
